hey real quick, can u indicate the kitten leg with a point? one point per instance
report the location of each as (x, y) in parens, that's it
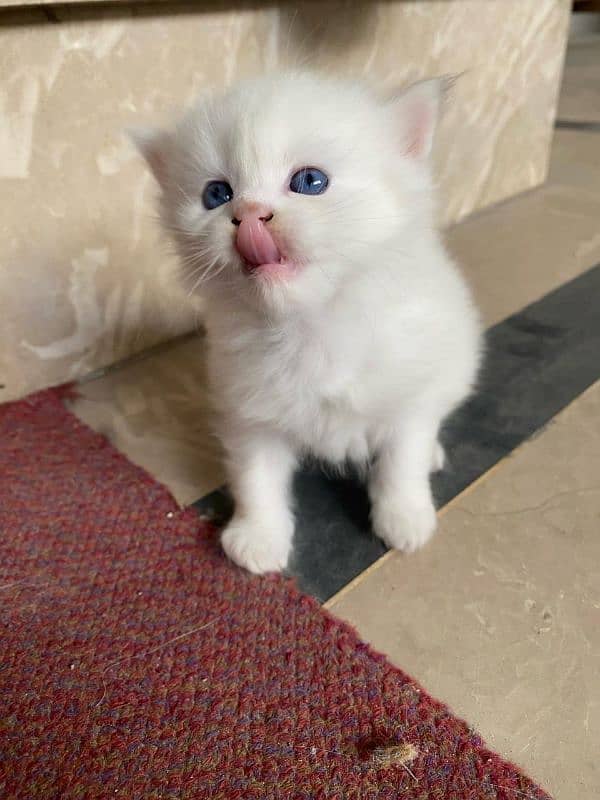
(402, 512)
(259, 536)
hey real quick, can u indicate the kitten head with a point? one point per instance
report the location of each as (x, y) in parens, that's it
(280, 190)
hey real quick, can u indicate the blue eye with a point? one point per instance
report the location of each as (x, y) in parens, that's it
(309, 180)
(216, 193)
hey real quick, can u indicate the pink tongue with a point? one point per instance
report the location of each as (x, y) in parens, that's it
(255, 244)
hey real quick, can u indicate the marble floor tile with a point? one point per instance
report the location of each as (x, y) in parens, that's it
(156, 410)
(520, 250)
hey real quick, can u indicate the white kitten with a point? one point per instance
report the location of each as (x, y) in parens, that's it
(338, 326)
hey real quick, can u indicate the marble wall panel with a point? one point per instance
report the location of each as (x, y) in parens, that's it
(85, 278)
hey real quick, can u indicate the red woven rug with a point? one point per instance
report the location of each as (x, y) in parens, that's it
(136, 662)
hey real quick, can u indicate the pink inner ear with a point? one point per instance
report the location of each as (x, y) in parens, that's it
(419, 130)
(416, 111)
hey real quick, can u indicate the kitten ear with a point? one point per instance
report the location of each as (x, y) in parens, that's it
(154, 144)
(416, 111)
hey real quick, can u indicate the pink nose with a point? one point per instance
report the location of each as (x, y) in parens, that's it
(253, 240)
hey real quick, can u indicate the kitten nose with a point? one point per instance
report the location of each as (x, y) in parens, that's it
(253, 240)
(250, 209)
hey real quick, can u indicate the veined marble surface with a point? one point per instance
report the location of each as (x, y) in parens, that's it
(84, 276)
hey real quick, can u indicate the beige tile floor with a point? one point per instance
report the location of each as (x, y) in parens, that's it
(156, 410)
(500, 615)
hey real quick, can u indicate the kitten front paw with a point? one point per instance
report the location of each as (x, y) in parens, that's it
(404, 522)
(257, 547)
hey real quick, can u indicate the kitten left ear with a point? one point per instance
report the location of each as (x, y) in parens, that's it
(416, 111)
(154, 144)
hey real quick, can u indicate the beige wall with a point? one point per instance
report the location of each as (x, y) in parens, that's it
(84, 279)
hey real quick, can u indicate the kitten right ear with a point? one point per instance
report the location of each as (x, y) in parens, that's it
(154, 144)
(416, 110)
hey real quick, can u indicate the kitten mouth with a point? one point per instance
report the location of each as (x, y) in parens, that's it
(259, 250)
(272, 269)
(252, 267)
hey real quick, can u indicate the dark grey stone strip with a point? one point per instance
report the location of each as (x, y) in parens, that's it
(577, 125)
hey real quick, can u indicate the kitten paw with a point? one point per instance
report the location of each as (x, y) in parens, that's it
(439, 458)
(257, 547)
(404, 523)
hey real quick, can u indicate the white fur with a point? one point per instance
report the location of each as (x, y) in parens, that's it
(364, 352)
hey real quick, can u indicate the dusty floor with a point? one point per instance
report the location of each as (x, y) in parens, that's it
(500, 615)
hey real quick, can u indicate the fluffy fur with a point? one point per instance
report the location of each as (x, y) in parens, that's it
(366, 343)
